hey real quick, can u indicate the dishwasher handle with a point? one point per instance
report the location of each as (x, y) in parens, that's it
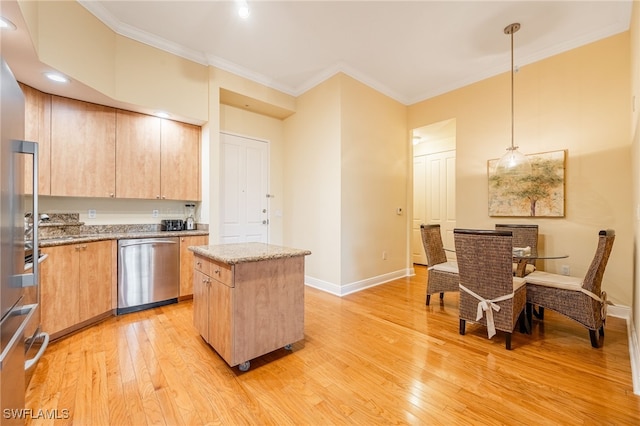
(144, 242)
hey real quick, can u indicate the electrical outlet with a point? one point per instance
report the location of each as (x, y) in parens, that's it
(564, 270)
(155, 213)
(92, 214)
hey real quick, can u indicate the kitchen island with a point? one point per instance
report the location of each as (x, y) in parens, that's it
(248, 298)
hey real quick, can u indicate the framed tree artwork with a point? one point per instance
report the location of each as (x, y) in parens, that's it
(540, 193)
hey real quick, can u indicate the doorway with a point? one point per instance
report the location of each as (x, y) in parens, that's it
(244, 189)
(434, 184)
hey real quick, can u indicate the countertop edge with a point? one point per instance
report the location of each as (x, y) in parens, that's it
(233, 259)
(61, 241)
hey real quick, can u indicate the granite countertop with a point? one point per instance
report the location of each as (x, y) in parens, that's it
(88, 238)
(246, 252)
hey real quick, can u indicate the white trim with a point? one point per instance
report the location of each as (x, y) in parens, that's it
(634, 355)
(354, 287)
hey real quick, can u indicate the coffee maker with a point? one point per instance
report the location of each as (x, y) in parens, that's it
(190, 221)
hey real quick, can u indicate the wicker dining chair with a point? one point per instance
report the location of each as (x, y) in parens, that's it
(442, 274)
(524, 235)
(489, 293)
(579, 298)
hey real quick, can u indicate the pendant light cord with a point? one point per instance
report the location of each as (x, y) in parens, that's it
(512, 147)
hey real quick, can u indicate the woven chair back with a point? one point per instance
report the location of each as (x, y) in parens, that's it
(593, 278)
(485, 262)
(432, 242)
(523, 236)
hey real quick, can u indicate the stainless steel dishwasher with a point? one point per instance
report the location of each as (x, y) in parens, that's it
(148, 273)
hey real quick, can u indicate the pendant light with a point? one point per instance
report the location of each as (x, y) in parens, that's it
(513, 162)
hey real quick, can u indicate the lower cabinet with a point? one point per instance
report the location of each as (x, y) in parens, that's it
(76, 284)
(186, 262)
(248, 309)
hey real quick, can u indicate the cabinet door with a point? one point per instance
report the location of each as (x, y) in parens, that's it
(220, 320)
(94, 279)
(59, 288)
(186, 262)
(201, 303)
(82, 149)
(37, 129)
(180, 161)
(137, 155)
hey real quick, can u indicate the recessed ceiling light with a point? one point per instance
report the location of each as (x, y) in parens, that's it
(58, 78)
(6, 24)
(243, 9)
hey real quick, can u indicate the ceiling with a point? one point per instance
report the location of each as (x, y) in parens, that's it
(408, 50)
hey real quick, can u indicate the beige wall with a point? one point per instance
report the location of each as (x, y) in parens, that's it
(578, 101)
(374, 162)
(346, 161)
(257, 126)
(70, 39)
(312, 182)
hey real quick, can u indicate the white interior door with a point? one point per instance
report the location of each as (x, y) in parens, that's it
(434, 199)
(244, 214)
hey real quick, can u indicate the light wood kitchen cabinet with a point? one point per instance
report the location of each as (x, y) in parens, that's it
(75, 285)
(212, 305)
(82, 149)
(156, 158)
(186, 262)
(37, 122)
(180, 161)
(137, 155)
(248, 299)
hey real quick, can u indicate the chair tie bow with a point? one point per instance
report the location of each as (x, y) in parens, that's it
(488, 306)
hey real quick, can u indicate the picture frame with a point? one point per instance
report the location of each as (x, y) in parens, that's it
(538, 194)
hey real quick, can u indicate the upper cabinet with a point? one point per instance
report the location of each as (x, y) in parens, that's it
(156, 158)
(180, 161)
(38, 129)
(137, 155)
(82, 149)
(90, 150)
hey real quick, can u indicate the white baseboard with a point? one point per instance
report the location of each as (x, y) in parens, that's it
(634, 355)
(358, 285)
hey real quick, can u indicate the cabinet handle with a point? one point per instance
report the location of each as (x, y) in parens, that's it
(217, 271)
(199, 263)
(112, 195)
(163, 197)
(158, 197)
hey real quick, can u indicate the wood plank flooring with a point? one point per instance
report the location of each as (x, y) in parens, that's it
(377, 357)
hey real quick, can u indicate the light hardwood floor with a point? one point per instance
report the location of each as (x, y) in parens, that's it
(376, 357)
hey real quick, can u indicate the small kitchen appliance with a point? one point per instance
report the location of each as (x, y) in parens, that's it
(171, 225)
(190, 221)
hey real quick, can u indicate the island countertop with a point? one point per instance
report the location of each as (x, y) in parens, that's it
(234, 253)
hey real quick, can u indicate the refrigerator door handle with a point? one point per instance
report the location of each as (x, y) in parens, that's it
(26, 311)
(33, 361)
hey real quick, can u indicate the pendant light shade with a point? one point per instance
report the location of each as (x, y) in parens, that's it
(513, 162)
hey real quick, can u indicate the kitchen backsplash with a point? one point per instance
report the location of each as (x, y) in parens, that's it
(69, 224)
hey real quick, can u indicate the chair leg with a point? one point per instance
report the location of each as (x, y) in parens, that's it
(462, 325)
(428, 299)
(508, 341)
(442, 296)
(540, 313)
(597, 341)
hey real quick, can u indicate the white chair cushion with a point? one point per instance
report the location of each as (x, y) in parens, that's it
(518, 282)
(547, 279)
(450, 266)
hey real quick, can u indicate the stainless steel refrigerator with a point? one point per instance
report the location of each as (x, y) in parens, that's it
(19, 253)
